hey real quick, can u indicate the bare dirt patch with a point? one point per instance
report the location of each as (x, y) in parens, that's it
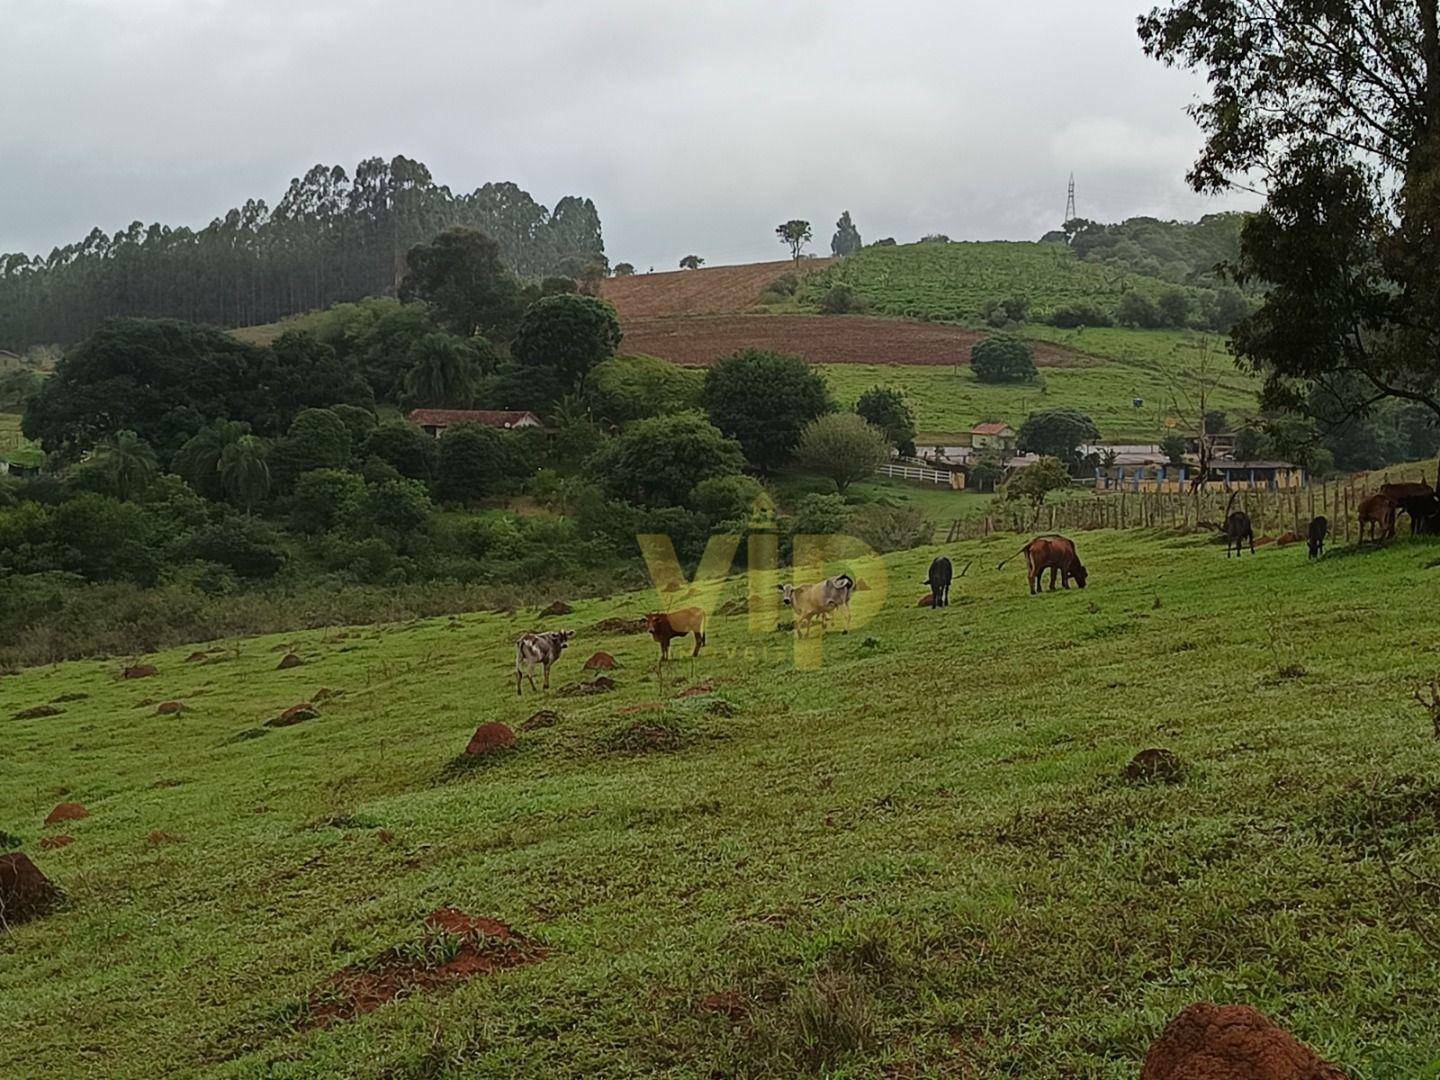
(820, 339)
(601, 661)
(52, 843)
(289, 660)
(707, 291)
(1231, 1042)
(139, 671)
(1155, 765)
(601, 684)
(455, 947)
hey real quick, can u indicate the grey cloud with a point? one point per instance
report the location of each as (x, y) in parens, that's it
(695, 127)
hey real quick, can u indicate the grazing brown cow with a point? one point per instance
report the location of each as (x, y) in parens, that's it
(1053, 553)
(1415, 500)
(665, 626)
(1377, 511)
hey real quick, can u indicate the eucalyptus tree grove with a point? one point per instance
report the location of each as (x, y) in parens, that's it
(332, 237)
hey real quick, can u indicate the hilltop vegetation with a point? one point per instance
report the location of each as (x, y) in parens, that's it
(956, 281)
(332, 237)
(880, 866)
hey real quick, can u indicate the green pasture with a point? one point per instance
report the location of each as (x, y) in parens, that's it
(920, 857)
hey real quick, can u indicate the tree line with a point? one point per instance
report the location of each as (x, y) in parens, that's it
(333, 237)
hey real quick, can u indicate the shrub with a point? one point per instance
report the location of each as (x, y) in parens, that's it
(626, 388)
(1002, 359)
(1073, 316)
(892, 528)
(1012, 309)
(1057, 433)
(476, 462)
(325, 499)
(1136, 310)
(841, 300)
(659, 461)
(247, 546)
(725, 498)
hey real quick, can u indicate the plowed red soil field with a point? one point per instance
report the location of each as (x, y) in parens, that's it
(820, 339)
(707, 291)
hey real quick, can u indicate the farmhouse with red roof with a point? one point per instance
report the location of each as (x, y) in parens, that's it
(435, 421)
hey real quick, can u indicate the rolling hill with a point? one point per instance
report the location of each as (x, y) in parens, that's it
(923, 857)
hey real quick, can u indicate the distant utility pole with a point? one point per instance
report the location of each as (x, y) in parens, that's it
(1070, 214)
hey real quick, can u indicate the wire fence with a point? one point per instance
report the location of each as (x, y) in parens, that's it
(1272, 513)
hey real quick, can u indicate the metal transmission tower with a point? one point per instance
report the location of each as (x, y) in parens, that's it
(1070, 214)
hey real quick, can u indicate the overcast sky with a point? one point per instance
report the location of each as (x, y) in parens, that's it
(695, 126)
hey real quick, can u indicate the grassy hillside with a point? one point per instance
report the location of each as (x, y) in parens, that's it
(953, 281)
(1124, 365)
(919, 858)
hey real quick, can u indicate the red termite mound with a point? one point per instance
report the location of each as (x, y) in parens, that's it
(1231, 1042)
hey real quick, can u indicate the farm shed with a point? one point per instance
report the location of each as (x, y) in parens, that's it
(435, 421)
(1227, 473)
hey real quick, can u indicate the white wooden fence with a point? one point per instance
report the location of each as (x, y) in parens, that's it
(916, 472)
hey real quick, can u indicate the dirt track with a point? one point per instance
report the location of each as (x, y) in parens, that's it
(707, 291)
(821, 339)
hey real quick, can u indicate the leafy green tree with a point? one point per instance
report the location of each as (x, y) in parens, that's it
(1071, 316)
(1057, 433)
(461, 276)
(763, 400)
(1001, 358)
(1251, 444)
(398, 507)
(887, 410)
(728, 498)
(302, 372)
(162, 380)
(318, 439)
(658, 461)
(325, 499)
(625, 388)
(624, 269)
(445, 372)
(1173, 307)
(245, 471)
(846, 240)
(103, 539)
(985, 472)
(1003, 312)
(127, 464)
(1135, 310)
(794, 234)
(1173, 447)
(405, 448)
(384, 350)
(691, 262)
(248, 546)
(843, 447)
(360, 422)
(477, 462)
(1337, 107)
(1226, 307)
(568, 335)
(1036, 481)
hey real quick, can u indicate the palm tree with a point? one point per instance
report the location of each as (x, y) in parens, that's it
(127, 463)
(444, 373)
(198, 461)
(244, 471)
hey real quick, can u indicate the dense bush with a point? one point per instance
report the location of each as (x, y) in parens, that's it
(625, 388)
(841, 300)
(1073, 316)
(1002, 359)
(659, 461)
(888, 410)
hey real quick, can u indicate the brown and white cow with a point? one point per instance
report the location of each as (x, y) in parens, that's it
(543, 649)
